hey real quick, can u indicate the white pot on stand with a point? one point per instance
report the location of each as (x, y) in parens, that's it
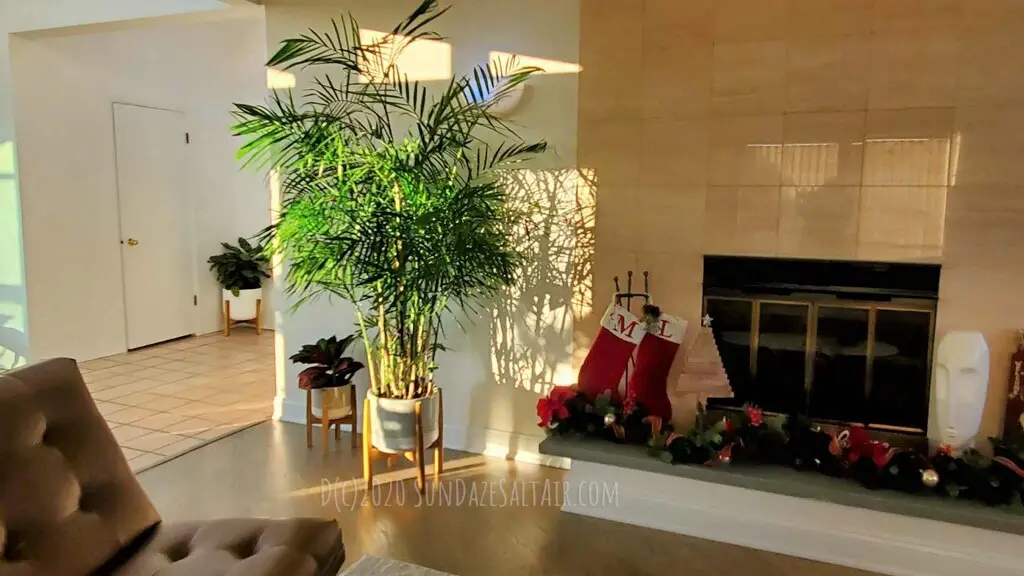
(338, 401)
(393, 422)
(244, 306)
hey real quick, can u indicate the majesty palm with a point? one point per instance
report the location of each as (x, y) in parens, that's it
(390, 196)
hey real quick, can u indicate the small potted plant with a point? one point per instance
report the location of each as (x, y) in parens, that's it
(329, 372)
(240, 271)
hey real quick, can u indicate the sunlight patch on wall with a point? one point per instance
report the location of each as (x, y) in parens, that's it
(545, 64)
(532, 323)
(420, 59)
(280, 80)
(13, 340)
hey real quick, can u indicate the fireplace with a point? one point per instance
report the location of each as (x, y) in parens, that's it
(849, 342)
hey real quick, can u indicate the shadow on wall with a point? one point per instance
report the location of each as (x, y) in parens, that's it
(530, 331)
(13, 341)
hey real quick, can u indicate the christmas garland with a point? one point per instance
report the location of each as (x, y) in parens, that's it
(748, 438)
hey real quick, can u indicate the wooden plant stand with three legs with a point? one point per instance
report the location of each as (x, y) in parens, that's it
(228, 322)
(326, 421)
(417, 455)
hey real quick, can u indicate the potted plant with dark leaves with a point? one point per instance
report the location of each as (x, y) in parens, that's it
(391, 199)
(240, 271)
(329, 373)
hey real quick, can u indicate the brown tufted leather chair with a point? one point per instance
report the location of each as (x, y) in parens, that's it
(70, 505)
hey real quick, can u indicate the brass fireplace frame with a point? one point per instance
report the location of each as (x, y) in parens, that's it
(810, 341)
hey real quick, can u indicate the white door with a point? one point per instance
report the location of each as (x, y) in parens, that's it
(156, 224)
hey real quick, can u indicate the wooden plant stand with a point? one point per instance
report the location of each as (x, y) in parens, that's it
(417, 455)
(326, 421)
(228, 322)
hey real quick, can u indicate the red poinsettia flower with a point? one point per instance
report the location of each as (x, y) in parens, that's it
(754, 415)
(552, 407)
(729, 426)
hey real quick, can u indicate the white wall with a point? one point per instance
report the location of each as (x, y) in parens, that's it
(496, 372)
(20, 16)
(64, 87)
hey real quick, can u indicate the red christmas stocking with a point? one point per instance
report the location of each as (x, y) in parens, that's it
(649, 382)
(620, 333)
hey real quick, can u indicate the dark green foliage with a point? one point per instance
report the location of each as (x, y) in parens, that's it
(390, 190)
(330, 367)
(241, 267)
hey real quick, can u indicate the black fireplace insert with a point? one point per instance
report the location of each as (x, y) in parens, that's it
(849, 342)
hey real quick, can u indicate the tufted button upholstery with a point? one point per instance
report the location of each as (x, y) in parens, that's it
(298, 547)
(56, 451)
(70, 505)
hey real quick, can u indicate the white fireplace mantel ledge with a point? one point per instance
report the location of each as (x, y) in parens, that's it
(800, 514)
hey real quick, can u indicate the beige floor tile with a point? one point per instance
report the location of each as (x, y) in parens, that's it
(196, 409)
(166, 403)
(148, 372)
(168, 398)
(152, 441)
(172, 389)
(218, 431)
(130, 415)
(152, 361)
(112, 393)
(127, 432)
(106, 408)
(227, 398)
(196, 393)
(130, 453)
(178, 365)
(138, 398)
(113, 379)
(137, 386)
(145, 461)
(191, 427)
(100, 364)
(170, 376)
(173, 354)
(159, 420)
(180, 446)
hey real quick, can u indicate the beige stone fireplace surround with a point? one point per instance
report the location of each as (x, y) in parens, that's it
(831, 129)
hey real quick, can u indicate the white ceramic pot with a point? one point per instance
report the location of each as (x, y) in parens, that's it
(394, 423)
(338, 401)
(243, 306)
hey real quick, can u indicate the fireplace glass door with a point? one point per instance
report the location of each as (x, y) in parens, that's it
(835, 360)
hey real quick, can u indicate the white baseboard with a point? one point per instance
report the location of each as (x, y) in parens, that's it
(494, 443)
(817, 530)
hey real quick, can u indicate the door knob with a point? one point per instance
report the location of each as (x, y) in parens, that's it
(133, 242)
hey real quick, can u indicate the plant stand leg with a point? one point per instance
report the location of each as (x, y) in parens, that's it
(367, 446)
(355, 420)
(421, 480)
(439, 445)
(325, 426)
(309, 418)
(337, 431)
(259, 316)
(227, 318)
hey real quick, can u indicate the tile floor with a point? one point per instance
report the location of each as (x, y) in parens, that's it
(170, 398)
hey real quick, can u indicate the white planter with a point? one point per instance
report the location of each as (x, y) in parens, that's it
(338, 401)
(243, 306)
(394, 423)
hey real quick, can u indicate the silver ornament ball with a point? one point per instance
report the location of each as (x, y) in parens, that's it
(930, 478)
(609, 419)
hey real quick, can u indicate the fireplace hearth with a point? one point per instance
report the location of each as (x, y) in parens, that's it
(849, 342)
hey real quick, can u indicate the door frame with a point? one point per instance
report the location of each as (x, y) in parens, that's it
(193, 248)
